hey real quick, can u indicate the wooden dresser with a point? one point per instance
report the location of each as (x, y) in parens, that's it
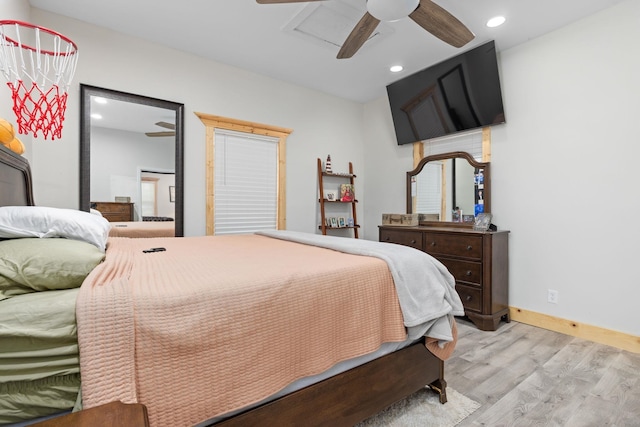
(114, 211)
(478, 260)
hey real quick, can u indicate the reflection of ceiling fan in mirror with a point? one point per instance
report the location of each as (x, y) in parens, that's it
(164, 132)
(425, 13)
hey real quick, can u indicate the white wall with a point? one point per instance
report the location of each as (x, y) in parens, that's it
(321, 124)
(563, 169)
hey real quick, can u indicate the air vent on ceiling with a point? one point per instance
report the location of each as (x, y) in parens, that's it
(329, 24)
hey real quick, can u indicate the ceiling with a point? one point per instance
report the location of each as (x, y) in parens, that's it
(273, 40)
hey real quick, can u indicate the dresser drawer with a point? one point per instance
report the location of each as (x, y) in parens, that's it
(115, 208)
(454, 245)
(406, 238)
(464, 271)
(471, 297)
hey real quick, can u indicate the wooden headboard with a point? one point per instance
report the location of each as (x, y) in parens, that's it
(15, 179)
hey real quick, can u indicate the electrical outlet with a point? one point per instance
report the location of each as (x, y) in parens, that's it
(552, 296)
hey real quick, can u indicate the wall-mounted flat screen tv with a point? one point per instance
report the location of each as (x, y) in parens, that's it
(458, 94)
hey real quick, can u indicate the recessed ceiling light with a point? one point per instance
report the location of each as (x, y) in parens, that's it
(496, 21)
(100, 100)
(96, 116)
(396, 68)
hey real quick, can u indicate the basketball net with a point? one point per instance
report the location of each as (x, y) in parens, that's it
(39, 76)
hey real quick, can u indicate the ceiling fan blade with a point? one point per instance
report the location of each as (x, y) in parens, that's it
(283, 1)
(164, 133)
(441, 24)
(166, 125)
(360, 34)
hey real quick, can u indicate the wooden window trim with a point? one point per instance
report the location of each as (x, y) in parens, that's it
(211, 123)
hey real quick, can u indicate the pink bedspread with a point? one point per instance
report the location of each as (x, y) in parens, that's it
(213, 324)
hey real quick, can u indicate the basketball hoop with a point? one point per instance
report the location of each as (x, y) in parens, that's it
(39, 76)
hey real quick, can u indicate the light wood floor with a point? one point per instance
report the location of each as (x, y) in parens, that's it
(528, 376)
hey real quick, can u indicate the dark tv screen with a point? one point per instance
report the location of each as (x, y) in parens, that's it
(458, 94)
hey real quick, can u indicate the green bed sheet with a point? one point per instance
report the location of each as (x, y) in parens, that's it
(39, 363)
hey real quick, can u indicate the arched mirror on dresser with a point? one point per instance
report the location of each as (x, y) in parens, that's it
(446, 191)
(131, 158)
(449, 189)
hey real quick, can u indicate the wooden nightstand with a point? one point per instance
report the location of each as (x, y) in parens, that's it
(113, 414)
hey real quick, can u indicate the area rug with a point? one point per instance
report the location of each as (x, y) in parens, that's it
(423, 409)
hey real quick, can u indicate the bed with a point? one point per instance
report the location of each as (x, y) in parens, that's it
(183, 329)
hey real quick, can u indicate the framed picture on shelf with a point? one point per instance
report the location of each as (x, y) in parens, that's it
(334, 222)
(331, 196)
(342, 222)
(172, 194)
(347, 193)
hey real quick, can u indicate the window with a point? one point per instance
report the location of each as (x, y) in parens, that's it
(254, 137)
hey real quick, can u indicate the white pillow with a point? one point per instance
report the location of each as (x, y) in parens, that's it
(39, 221)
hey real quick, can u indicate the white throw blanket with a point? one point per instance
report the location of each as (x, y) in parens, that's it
(426, 289)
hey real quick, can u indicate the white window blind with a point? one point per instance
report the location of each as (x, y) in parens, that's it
(471, 142)
(245, 182)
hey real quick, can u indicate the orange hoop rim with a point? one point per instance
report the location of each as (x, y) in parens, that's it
(46, 30)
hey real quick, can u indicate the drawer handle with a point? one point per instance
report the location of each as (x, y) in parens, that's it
(433, 243)
(468, 273)
(387, 238)
(413, 242)
(469, 247)
(468, 298)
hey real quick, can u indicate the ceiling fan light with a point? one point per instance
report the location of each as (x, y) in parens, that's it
(391, 10)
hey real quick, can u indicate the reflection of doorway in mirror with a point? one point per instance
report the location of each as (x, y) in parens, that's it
(154, 193)
(464, 179)
(149, 193)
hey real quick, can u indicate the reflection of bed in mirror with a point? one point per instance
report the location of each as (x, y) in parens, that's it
(181, 388)
(123, 223)
(137, 229)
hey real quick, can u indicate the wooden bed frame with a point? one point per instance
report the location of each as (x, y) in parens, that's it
(342, 400)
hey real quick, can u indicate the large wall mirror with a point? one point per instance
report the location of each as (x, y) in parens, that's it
(131, 156)
(449, 189)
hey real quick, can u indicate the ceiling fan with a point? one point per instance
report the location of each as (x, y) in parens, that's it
(164, 132)
(425, 13)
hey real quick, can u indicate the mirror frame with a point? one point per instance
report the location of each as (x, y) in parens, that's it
(447, 156)
(86, 92)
